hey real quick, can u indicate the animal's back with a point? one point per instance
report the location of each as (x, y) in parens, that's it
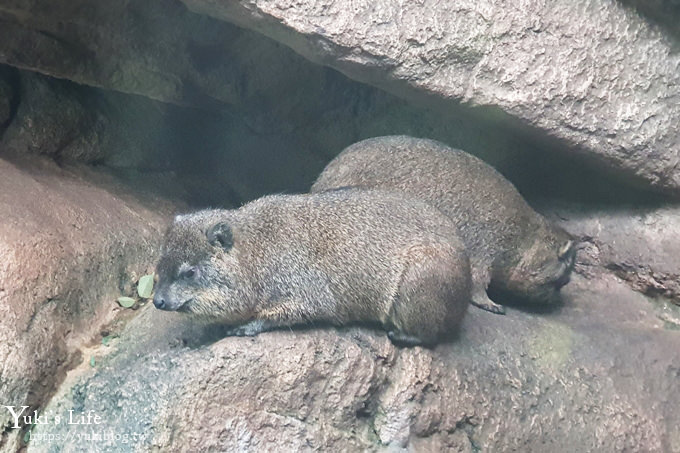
(357, 239)
(474, 195)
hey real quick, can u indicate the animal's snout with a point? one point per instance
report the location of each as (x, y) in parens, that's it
(159, 302)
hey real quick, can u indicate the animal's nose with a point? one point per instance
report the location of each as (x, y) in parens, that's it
(159, 302)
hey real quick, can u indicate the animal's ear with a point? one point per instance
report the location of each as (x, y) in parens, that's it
(220, 235)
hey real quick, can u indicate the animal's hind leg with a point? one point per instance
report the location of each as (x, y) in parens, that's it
(433, 294)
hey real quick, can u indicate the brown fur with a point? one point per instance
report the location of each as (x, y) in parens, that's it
(512, 249)
(338, 257)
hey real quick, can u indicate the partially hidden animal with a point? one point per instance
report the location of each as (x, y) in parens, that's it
(514, 251)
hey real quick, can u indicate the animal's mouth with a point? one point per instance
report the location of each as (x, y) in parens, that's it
(185, 306)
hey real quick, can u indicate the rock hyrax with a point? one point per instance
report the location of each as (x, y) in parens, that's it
(337, 257)
(512, 249)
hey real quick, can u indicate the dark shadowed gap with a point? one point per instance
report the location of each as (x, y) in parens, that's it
(11, 77)
(220, 155)
(664, 13)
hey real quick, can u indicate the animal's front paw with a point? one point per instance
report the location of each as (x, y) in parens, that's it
(401, 339)
(487, 304)
(247, 330)
(241, 331)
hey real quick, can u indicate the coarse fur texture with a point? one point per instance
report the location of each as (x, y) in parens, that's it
(338, 257)
(513, 250)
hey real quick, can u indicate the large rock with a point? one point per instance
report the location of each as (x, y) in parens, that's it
(53, 120)
(590, 73)
(69, 248)
(266, 114)
(600, 374)
(288, 105)
(269, 119)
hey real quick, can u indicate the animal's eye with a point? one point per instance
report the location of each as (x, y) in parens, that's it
(190, 273)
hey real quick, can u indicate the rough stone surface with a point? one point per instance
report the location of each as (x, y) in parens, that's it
(155, 49)
(638, 244)
(590, 73)
(600, 374)
(51, 120)
(270, 98)
(68, 247)
(267, 117)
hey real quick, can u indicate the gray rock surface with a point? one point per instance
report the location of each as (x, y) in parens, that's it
(268, 119)
(69, 247)
(639, 244)
(600, 374)
(159, 50)
(51, 119)
(592, 74)
(605, 89)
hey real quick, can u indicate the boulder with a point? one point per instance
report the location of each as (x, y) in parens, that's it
(69, 248)
(133, 47)
(590, 77)
(598, 374)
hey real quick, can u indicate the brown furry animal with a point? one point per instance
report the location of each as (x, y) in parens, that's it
(512, 249)
(337, 257)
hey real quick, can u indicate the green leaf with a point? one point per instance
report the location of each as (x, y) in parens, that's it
(27, 436)
(145, 286)
(126, 302)
(93, 362)
(107, 339)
